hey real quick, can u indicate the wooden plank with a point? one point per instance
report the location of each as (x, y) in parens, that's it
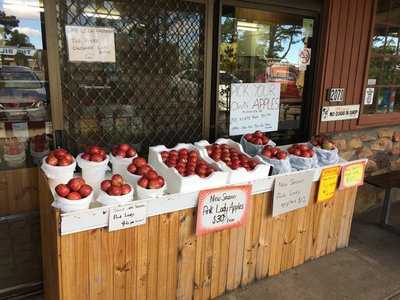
(265, 239)
(290, 235)
(322, 214)
(278, 227)
(301, 238)
(207, 266)
(199, 270)
(162, 265)
(224, 258)
(172, 280)
(96, 285)
(335, 222)
(232, 255)
(107, 261)
(187, 254)
(68, 267)
(142, 259)
(153, 263)
(131, 263)
(346, 217)
(215, 270)
(240, 256)
(310, 211)
(352, 195)
(82, 265)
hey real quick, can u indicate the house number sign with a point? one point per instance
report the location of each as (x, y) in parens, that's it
(336, 95)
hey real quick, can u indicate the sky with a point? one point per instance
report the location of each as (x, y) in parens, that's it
(28, 13)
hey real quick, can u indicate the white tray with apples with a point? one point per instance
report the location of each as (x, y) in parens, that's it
(187, 180)
(237, 173)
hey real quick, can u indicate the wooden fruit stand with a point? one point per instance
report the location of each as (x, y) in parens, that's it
(165, 259)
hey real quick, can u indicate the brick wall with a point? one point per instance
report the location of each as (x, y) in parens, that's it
(382, 148)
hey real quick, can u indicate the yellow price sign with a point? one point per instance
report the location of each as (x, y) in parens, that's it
(328, 183)
(352, 175)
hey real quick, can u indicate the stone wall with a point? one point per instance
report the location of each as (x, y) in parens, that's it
(382, 148)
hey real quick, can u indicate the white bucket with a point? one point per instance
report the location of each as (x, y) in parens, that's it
(93, 172)
(132, 179)
(58, 174)
(119, 164)
(67, 205)
(105, 199)
(143, 193)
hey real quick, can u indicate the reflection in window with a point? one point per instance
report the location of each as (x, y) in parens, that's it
(24, 109)
(260, 46)
(384, 66)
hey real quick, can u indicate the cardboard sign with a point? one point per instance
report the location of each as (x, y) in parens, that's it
(128, 215)
(222, 208)
(352, 175)
(328, 183)
(254, 106)
(336, 113)
(90, 44)
(291, 192)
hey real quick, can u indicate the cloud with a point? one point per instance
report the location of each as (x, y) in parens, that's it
(31, 32)
(22, 11)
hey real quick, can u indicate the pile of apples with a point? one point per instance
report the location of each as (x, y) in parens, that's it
(75, 189)
(151, 180)
(323, 142)
(257, 138)
(274, 152)
(301, 150)
(94, 153)
(123, 151)
(59, 157)
(39, 143)
(233, 158)
(187, 162)
(139, 166)
(115, 186)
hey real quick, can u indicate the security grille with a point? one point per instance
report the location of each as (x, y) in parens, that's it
(153, 94)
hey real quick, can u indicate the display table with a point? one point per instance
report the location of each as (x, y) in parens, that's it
(164, 259)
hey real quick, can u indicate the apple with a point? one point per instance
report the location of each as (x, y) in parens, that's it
(120, 153)
(161, 181)
(85, 190)
(52, 160)
(282, 155)
(143, 170)
(63, 162)
(86, 156)
(131, 152)
(151, 174)
(62, 190)
(139, 162)
(97, 158)
(60, 153)
(75, 183)
(183, 152)
(117, 180)
(143, 182)
(114, 191)
(105, 185)
(93, 150)
(124, 147)
(74, 196)
(154, 184)
(132, 168)
(125, 189)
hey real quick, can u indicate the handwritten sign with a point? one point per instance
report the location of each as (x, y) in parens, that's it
(352, 175)
(254, 106)
(328, 183)
(222, 208)
(129, 215)
(90, 44)
(291, 192)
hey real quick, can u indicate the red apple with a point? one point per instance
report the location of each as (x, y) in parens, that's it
(282, 155)
(154, 184)
(117, 180)
(139, 162)
(62, 190)
(105, 185)
(52, 160)
(85, 190)
(120, 153)
(74, 196)
(60, 153)
(63, 162)
(93, 150)
(161, 181)
(124, 147)
(132, 168)
(102, 153)
(143, 170)
(75, 183)
(114, 191)
(151, 174)
(97, 158)
(85, 156)
(125, 189)
(143, 182)
(131, 152)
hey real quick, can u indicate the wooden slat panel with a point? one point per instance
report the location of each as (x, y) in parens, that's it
(162, 259)
(173, 241)
(153, 256)
(142, 261)
(131, 263)
(96, 287)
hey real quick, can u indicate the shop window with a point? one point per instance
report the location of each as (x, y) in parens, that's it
(384, 65)
(261, 46)
(153, 93)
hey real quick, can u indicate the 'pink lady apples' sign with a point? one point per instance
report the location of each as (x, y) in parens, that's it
(222, 208)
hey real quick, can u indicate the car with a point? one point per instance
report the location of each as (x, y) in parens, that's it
(22, 94)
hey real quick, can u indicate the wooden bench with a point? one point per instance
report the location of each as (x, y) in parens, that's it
(387, 182)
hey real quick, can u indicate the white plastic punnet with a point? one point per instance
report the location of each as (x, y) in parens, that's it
(67, 205)
(143, 193)
(176, 183)
(93, 172)
(132, 179)
(58, 174)
(120, 164)
(240, 175)
(106, 199)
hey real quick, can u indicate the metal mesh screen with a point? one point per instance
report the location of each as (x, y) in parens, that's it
(153, 94)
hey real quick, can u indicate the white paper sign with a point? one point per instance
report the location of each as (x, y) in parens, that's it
(129, 215)
(305, 57)
(90, 44)
(308, 27)
(254, 106)
(20, 130)
(336, 113)
(369, 96)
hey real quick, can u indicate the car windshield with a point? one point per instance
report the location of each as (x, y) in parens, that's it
(19, 80)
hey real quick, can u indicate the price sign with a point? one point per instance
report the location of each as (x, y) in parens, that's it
(222, 208)
(352, 175)
(129, 215)
(291, 192)
(328, 183)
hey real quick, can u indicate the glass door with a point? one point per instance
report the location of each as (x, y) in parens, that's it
(260, 46)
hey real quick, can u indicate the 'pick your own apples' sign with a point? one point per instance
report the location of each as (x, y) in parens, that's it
(254, 106)
(222, 208)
